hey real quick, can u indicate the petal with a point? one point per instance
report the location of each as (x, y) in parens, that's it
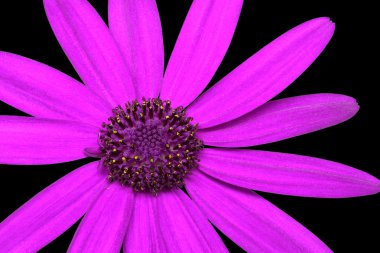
(249, 220)
(200, 48)
(136, 28)
(282, 119)
(143, 233)
(264, 75)
(183, 227)
(103, 227)
(52, 211)
(27, 140)
(287, 174)
(42, 91)
(90, 47)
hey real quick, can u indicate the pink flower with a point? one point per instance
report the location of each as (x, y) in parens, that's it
(149, 148)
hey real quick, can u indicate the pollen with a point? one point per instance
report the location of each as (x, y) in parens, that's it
(149, 145)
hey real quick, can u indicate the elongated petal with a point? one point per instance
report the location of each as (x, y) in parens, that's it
(183, 227)
(249, 220)
(42, 91)
(200, 48)
(287, 174)
(52, 211)
(104, 226)
(90, 47)
(27, 140)
(264, 75)
(136, 27)
(143, 233)
(282, 119)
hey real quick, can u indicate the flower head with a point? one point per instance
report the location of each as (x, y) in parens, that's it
(154, 133)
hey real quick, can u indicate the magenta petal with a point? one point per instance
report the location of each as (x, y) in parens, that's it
(183, 227)
(42, 91)
(264, 75)
(52, 211)
(249, 220)
(136, 27)
(200, 48)
(282, 119)
(287, 174)
(90, 47)
(27, 140)
(104, 226)
(144, 227)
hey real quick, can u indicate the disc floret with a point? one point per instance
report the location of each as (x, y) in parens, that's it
(149, 146)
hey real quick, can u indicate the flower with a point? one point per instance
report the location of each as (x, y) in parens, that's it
(126, 63)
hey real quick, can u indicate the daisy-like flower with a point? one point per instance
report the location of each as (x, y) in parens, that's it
(155, 137)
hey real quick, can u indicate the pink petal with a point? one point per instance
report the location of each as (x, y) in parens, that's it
(200, 48)
(42, 91)
(264, 75)
(103, 227)
(287, 174)
(136, 27)
(249, 220)
(282, 119)
(27, 140)
(91, 49)
(52, 211)
(143, 234)
(183, 227)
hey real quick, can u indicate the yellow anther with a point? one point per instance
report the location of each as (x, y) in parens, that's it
(136, 157)
(170, 156)
(179, 146)
(114, 131)
(123, 158)
(170, 128)
(151, 160)
(167, 145)
(114, 150)
(167, 117)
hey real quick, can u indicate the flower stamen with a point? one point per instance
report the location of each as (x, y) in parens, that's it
(149, 145)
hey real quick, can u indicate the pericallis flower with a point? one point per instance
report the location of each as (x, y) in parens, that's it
(155, 137)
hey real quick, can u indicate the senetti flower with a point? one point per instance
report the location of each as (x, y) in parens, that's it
(154, 135)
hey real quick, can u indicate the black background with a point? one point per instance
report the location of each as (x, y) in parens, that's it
(346, 225)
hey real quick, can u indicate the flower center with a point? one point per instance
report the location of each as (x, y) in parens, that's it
(149, 145)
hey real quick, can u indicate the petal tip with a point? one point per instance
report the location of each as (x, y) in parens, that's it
(325, 22)
(377, 186)
(354, 105)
